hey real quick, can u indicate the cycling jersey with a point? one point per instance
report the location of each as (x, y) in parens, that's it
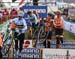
(48, 23)
(58, 22)
(20, 25)
(32, 18)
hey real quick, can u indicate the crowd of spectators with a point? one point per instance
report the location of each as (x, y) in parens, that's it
(5, 14)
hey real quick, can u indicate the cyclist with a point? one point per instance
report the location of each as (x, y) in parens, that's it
(48, 29)
(5, 14)
(58, 25)
(13, 13)
(20, 26)
(33, 20)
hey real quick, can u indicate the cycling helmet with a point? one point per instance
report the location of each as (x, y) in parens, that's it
(20, 13)
(29, 12)
(49, 14)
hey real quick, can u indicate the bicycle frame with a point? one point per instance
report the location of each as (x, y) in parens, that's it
(9, 46)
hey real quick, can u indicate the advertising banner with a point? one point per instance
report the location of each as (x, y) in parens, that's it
(30, 53)
(69, 26)
(58, 54)
(42, 10)
(27, 44)
(66, 44)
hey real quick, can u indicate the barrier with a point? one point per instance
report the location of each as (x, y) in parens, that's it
(36, 53)
(30, 53)
(66, 44)
(58, 54)
(69, 26)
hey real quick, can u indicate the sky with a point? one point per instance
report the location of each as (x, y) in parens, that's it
(12, 4)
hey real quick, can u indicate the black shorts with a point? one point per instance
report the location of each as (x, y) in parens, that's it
(34, 26)
(19, 37)
(49, 35)
(58, 31)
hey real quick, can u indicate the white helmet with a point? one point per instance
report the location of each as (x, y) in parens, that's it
(20, 13)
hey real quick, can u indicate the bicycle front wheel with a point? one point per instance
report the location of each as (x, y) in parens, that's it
(41, 35)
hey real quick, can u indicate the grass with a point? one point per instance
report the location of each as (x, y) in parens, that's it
(69, 36)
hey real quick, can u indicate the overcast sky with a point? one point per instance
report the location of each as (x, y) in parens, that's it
(13, 4)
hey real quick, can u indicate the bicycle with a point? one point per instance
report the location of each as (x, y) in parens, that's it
(7, 49)
(38, 31)
(33, 31)
(42, 34)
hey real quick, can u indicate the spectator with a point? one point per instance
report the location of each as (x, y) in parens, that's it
(5, 15)
(48, 30)
(13, 13)
(20, 27)
(1, 15)
(33, 19)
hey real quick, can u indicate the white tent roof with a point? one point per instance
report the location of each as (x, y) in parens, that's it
(52, 9)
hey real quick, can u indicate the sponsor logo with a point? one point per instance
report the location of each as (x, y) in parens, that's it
(27, 43)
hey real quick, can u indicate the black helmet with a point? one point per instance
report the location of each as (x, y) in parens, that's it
(29, 12)
(49, 14)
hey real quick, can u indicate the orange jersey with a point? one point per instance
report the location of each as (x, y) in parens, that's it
(48, 23)
(58, 22)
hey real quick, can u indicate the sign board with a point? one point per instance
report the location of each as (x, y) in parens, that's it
(27, 44)
(58, 54)
(30, 53)
(69, 26)
(26, 53)
(68, 44)
(42, 10)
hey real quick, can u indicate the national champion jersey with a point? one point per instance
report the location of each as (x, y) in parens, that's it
(20, 24)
